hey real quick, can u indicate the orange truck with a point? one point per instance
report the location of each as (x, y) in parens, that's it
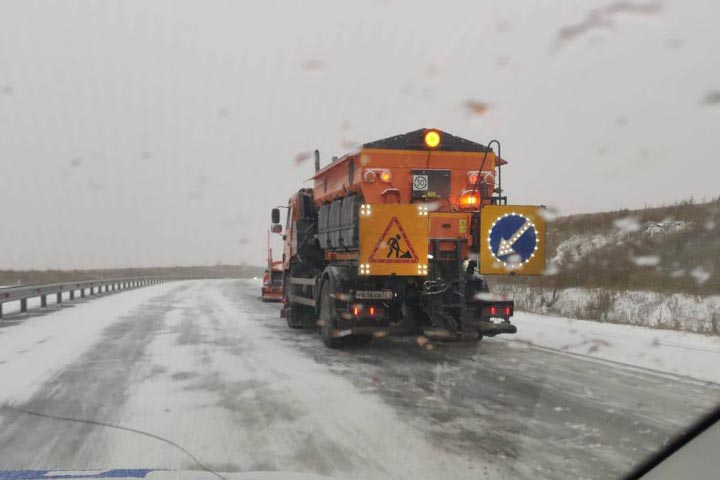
(272, 282)
(396, 239)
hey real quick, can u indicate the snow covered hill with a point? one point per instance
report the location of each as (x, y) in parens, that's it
(657, 267)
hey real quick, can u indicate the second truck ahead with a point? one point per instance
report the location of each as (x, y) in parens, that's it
(394, 239)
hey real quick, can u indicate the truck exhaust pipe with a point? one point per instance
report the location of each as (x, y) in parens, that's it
(317, 161)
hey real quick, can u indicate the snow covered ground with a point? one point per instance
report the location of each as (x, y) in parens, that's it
(43, 345)
(206, 365)
(679, 353)
(678, 311)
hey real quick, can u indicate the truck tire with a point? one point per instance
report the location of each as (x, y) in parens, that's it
(328, 314)
(294, 318)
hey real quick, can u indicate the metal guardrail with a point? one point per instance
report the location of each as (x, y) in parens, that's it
(85, 288)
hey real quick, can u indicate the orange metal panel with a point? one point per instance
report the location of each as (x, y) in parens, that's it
(341, 256)
(451, 225)
(346, 174)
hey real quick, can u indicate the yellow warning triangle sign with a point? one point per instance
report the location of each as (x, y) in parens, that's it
(393, 246)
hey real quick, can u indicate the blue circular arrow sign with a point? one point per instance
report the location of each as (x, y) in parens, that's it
(513, 239)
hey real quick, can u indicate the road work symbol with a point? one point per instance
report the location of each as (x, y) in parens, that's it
(513, 239)
(393, 246)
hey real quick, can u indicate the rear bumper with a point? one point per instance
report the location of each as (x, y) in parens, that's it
(482, 326)
(376, 331)
(489, 329)
(271, 295)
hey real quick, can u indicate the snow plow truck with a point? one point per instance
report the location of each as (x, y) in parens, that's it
(397, 237)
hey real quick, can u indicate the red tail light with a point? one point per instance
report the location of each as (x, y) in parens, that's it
(507, 311)
(493, 310)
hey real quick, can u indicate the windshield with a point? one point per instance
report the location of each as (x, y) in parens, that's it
(379, 239)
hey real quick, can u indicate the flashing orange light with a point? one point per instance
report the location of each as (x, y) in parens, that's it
(372, 310)
(356, 311)
(473, 178)
(432, 138)
(385, 176)
(470, 199)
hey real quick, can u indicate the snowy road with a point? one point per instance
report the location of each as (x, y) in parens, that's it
(204, 364)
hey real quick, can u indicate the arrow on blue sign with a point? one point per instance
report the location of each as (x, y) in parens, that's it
(513, 235)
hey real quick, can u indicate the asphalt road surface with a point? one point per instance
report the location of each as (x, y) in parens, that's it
(207, 366)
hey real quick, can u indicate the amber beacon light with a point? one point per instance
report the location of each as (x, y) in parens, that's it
(432, 138)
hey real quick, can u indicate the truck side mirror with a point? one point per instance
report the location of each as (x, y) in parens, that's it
(276, 228)
(275, 216)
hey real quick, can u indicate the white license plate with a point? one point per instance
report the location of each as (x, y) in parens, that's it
(374, 294)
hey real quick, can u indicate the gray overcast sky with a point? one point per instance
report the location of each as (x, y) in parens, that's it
(141, 133)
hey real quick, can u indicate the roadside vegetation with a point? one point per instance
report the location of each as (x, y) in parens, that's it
(25, 277)
(655, 267)
(669, 249)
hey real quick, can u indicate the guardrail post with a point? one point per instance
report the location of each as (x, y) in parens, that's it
(23, 305)
(82, 292)
(59, 297)
(0, 310)
(43, 301)
(72, 294)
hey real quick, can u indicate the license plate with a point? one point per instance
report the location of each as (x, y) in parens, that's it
(374, 294)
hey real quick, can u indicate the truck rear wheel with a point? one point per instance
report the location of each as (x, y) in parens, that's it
(328, 314)
(295, 317)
